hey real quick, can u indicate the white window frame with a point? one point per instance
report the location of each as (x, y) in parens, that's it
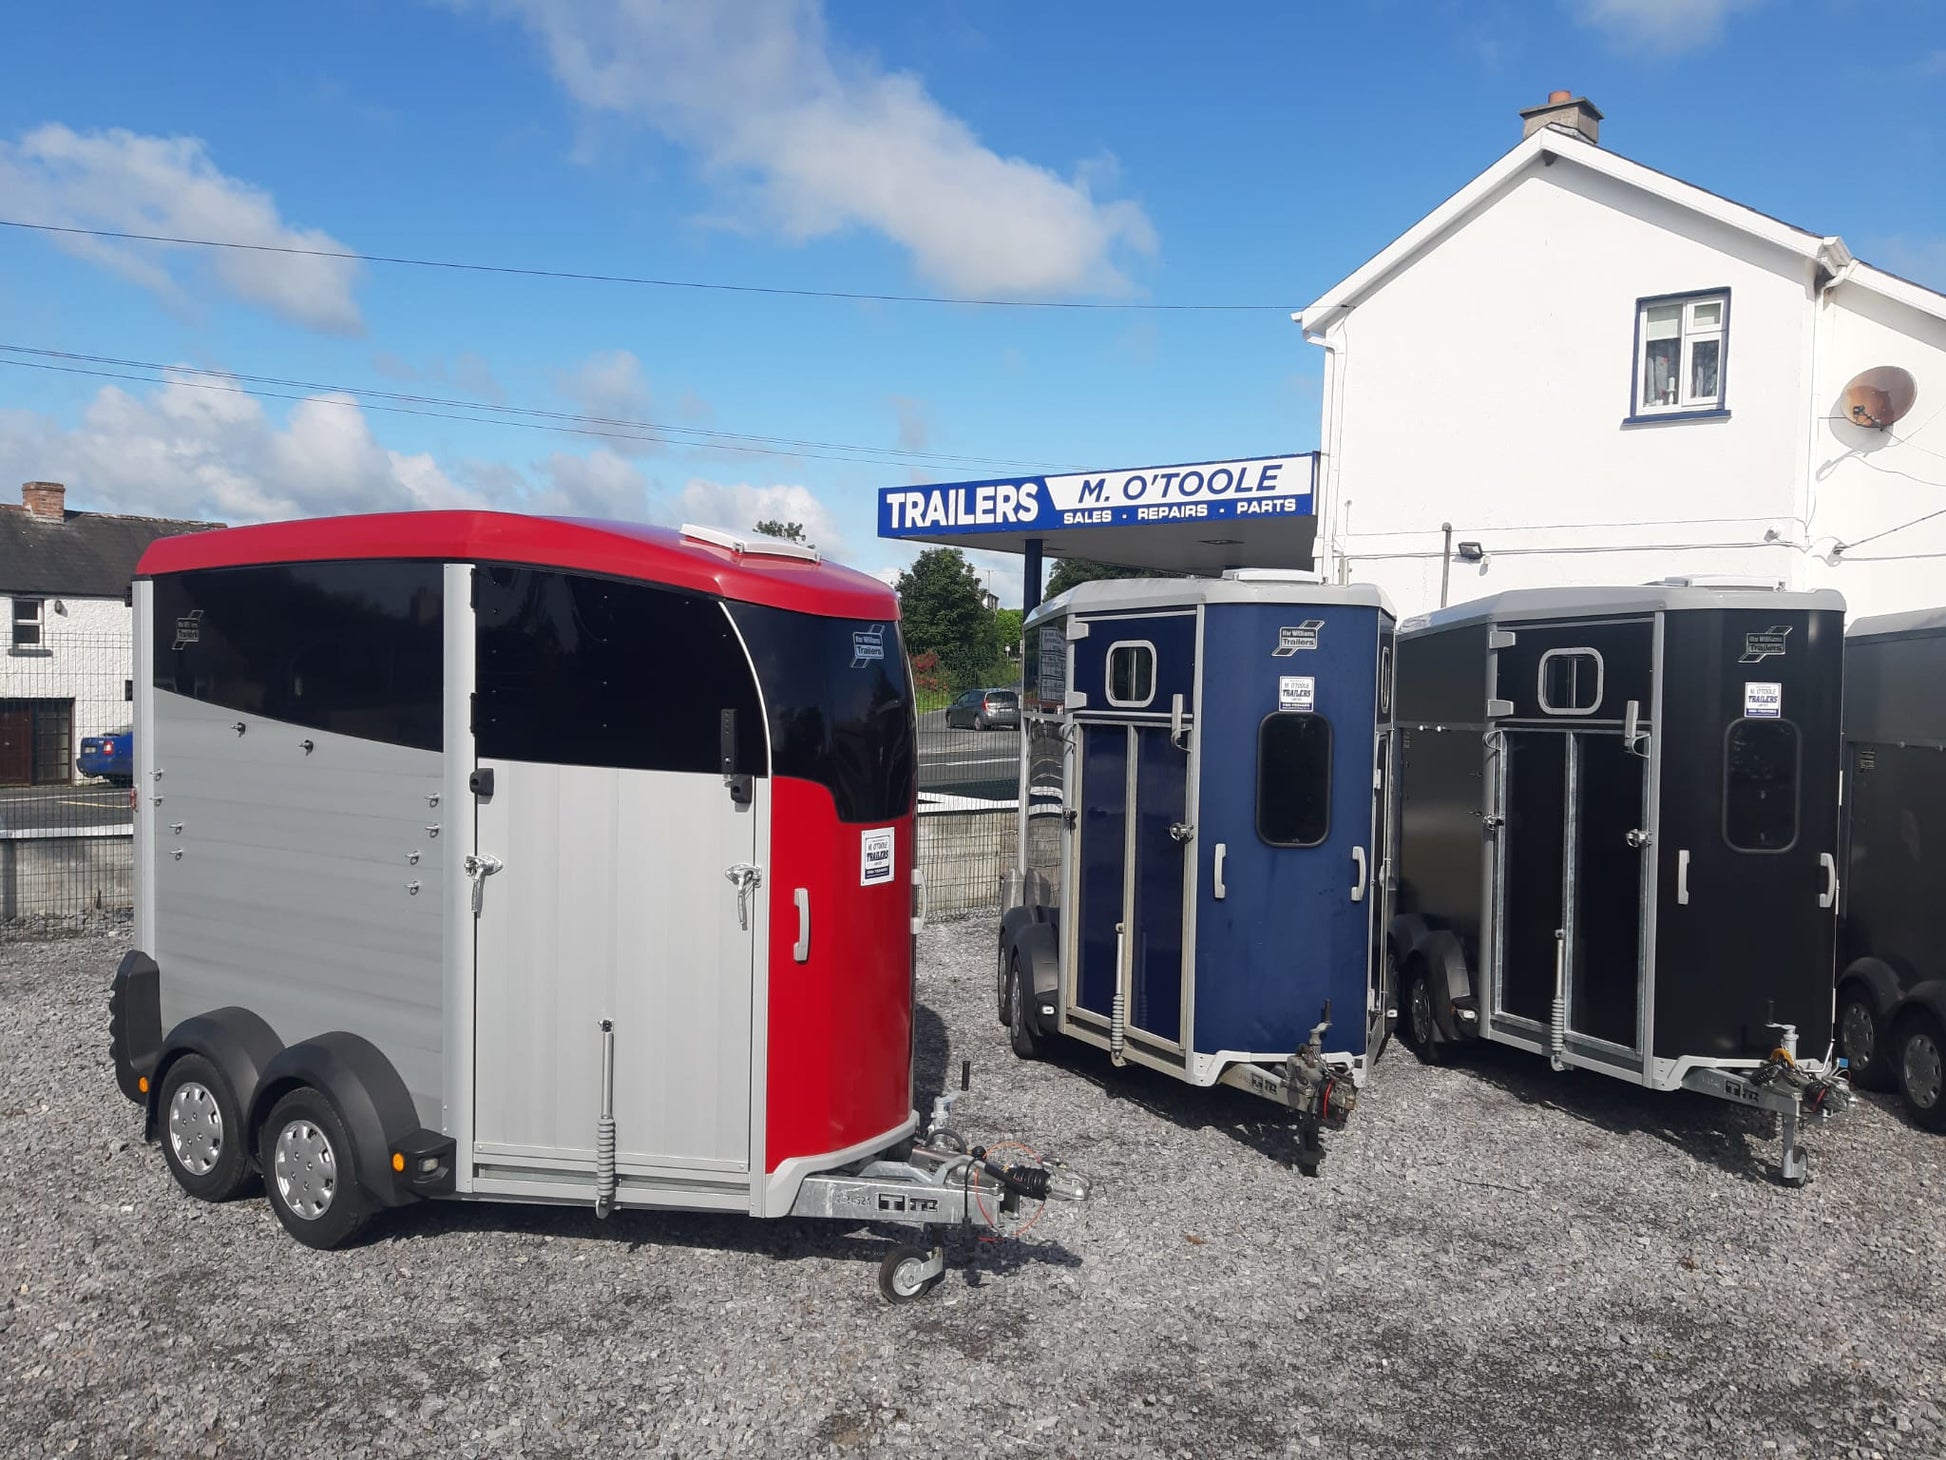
(1108, 674)
(37, 618)
(1601, 673)
(1690, 333)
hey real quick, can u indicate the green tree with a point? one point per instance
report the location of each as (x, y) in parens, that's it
(1070, 571)
(943, 611)
(1006, 631)
(789, 531)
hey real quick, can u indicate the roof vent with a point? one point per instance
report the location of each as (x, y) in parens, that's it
(751, 547)
(1565, 112)
(1273, 575)
(1735, 582)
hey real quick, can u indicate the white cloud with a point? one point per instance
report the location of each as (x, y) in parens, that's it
(131, 183)
(184, 451)
(825, 140)
(597, 484)
(741, 506)
(1660, 27)
(611, 385)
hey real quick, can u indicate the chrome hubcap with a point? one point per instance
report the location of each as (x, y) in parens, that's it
(1015, 1004)
(1922, 1071)
(907, 1280)
(306, 1169)
(195, 1128)
(1856, 1031)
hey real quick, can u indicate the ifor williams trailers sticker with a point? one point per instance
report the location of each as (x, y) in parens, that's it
(1763, 701)
(1767, 645)
(875, 859)
(1295, 637)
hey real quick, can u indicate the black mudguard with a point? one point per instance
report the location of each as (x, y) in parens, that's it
(372, 1101)
(233, 1039)
(1040, 959)
(1878, 979)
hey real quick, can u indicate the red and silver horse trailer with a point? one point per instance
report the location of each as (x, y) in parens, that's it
(494, 857)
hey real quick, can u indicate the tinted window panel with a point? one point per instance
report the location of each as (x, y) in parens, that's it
(1570, 681)
(350, 648)
(580, 670)
(1131, 675)
(1760, 761)
(1293, 780)
(840, 707)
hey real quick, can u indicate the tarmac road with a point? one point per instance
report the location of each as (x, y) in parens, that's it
(984, 764)
(36, 808)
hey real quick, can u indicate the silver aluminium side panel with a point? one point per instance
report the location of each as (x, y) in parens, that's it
(305, 884)
(461, 813)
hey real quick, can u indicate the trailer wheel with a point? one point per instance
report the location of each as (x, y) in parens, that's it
(1026, 1043)
(202, 1130)
(310, 1171)
(1920, 1053)
(1862, 1040)
(900, 1276)
(1418, 1025)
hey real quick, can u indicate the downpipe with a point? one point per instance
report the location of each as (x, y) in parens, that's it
(605, 1127)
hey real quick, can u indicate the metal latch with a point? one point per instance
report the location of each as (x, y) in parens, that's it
(479, 868)
(743, 877)
(1181, 831)
(1638, 837)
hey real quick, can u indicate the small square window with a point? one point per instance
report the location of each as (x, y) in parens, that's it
(27, 622)
(1570, 682)
(1131, 674)
(1293, 779)
(1679, 354)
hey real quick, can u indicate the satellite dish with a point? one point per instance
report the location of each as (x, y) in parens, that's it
(1878, 397)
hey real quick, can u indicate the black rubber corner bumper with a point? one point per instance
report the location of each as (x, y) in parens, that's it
(135, 1023)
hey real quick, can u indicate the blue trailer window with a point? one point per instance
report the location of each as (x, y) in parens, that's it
(1131, 674)
(1294, 779)
(1760, 764)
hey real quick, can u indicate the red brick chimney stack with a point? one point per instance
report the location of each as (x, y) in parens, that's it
(45, 500)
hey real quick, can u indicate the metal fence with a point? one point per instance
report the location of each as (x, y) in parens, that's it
(66, 768)
(969, 787)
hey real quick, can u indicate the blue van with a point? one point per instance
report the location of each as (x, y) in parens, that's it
(1203, 875)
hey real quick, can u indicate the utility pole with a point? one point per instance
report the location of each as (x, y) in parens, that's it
(1445, 562)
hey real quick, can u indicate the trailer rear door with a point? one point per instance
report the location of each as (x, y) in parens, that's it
(627, 887)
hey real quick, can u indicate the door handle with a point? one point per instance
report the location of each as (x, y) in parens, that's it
(1682, 877)
(1175, 722)
(1358, 888)
(1217, 887)
(801, 949)
(1829, 897)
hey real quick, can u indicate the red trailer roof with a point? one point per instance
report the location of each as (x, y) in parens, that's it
(618, 549)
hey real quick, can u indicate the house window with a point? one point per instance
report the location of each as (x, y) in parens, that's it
(27, 623)
(1680, 342)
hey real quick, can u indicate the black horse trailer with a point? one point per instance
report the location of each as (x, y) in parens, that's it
(1618, 836)
(1892, 993)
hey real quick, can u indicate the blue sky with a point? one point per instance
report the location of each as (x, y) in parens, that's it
(1079, 152)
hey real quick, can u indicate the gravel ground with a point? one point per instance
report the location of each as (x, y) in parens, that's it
(1497, 1261)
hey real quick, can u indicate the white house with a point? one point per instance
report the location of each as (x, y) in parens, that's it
(64, 579)
(1597, 373)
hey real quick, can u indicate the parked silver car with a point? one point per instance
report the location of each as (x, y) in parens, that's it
(983, 709)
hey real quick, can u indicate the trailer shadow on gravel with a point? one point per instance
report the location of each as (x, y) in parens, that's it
(1739, 1142)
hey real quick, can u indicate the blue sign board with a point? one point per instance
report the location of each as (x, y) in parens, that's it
(1254, 487)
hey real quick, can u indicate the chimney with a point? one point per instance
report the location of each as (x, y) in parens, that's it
(45, 500)
(1565, 112)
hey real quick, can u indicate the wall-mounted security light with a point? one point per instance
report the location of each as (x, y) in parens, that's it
(1470, 552)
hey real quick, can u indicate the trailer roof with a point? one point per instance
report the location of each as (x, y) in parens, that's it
(1533, 603)
(1249, 585)
(617, 549)
(1914, 622)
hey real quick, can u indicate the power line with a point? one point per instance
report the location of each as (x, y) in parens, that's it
(612, 428)
(580, 276)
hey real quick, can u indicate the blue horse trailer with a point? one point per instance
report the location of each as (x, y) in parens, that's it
(1202, 867)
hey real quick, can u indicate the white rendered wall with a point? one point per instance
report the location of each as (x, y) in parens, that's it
(1864, 482)
(86, 654)
(1486, 384)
